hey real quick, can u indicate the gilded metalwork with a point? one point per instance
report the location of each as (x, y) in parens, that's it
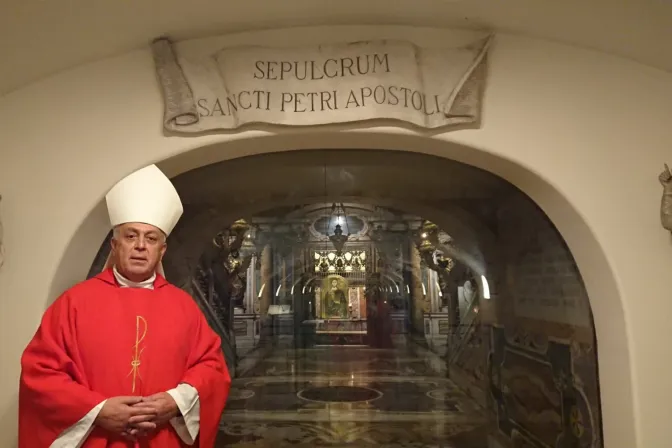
(576, 422)
(430, 232)
(426, 248)
(338, 239)
(331, 261)
(240, 227)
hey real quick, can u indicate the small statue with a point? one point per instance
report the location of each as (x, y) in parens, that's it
(665, 179)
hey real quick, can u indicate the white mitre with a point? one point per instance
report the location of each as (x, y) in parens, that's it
(146, 196)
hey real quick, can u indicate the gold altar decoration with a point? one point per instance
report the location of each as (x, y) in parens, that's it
(334, 261)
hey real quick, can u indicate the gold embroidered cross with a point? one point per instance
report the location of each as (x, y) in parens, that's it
(140, 324)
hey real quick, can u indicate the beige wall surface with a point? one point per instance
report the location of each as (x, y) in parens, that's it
(583, 134)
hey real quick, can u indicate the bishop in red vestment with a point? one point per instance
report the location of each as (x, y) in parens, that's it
(125, 359)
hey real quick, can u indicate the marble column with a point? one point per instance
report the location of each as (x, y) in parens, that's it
(417, 296)
(266, 277)
(250, 291)
(283, 278)
(433, 291)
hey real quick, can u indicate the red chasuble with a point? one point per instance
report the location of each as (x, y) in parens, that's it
(99, 341)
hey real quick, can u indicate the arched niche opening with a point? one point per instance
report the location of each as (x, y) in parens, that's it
(530, 338)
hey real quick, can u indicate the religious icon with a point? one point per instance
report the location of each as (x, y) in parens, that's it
(334, 297)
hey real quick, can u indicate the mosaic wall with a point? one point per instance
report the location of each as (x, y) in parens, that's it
(538, 361)
(543, 364)
(539, 398)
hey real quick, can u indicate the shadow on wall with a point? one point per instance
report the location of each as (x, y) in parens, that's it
(85, 244)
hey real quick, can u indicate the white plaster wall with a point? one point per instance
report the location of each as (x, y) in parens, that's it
(584, 134)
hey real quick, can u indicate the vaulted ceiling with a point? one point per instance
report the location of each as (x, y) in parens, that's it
(40, 37)
(461, 199)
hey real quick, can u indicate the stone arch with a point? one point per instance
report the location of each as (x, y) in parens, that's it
(600, 281)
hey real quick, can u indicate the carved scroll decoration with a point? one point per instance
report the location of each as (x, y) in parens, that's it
(210, 88)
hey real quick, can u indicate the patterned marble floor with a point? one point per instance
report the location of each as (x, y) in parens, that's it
(348, 397)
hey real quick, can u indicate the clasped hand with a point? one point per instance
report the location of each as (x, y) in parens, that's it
(134, 417)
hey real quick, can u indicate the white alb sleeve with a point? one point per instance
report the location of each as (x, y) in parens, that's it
(188, 424)
(74, 436)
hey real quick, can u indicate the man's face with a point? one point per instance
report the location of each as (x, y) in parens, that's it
(137, 250)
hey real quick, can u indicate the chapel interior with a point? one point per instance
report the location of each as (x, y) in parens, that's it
(370, 298)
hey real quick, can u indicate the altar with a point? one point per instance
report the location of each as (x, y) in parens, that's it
(335, 331)
(340, 303)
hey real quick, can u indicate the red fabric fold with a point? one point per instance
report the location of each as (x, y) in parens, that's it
(53, 392)
(207, 373)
